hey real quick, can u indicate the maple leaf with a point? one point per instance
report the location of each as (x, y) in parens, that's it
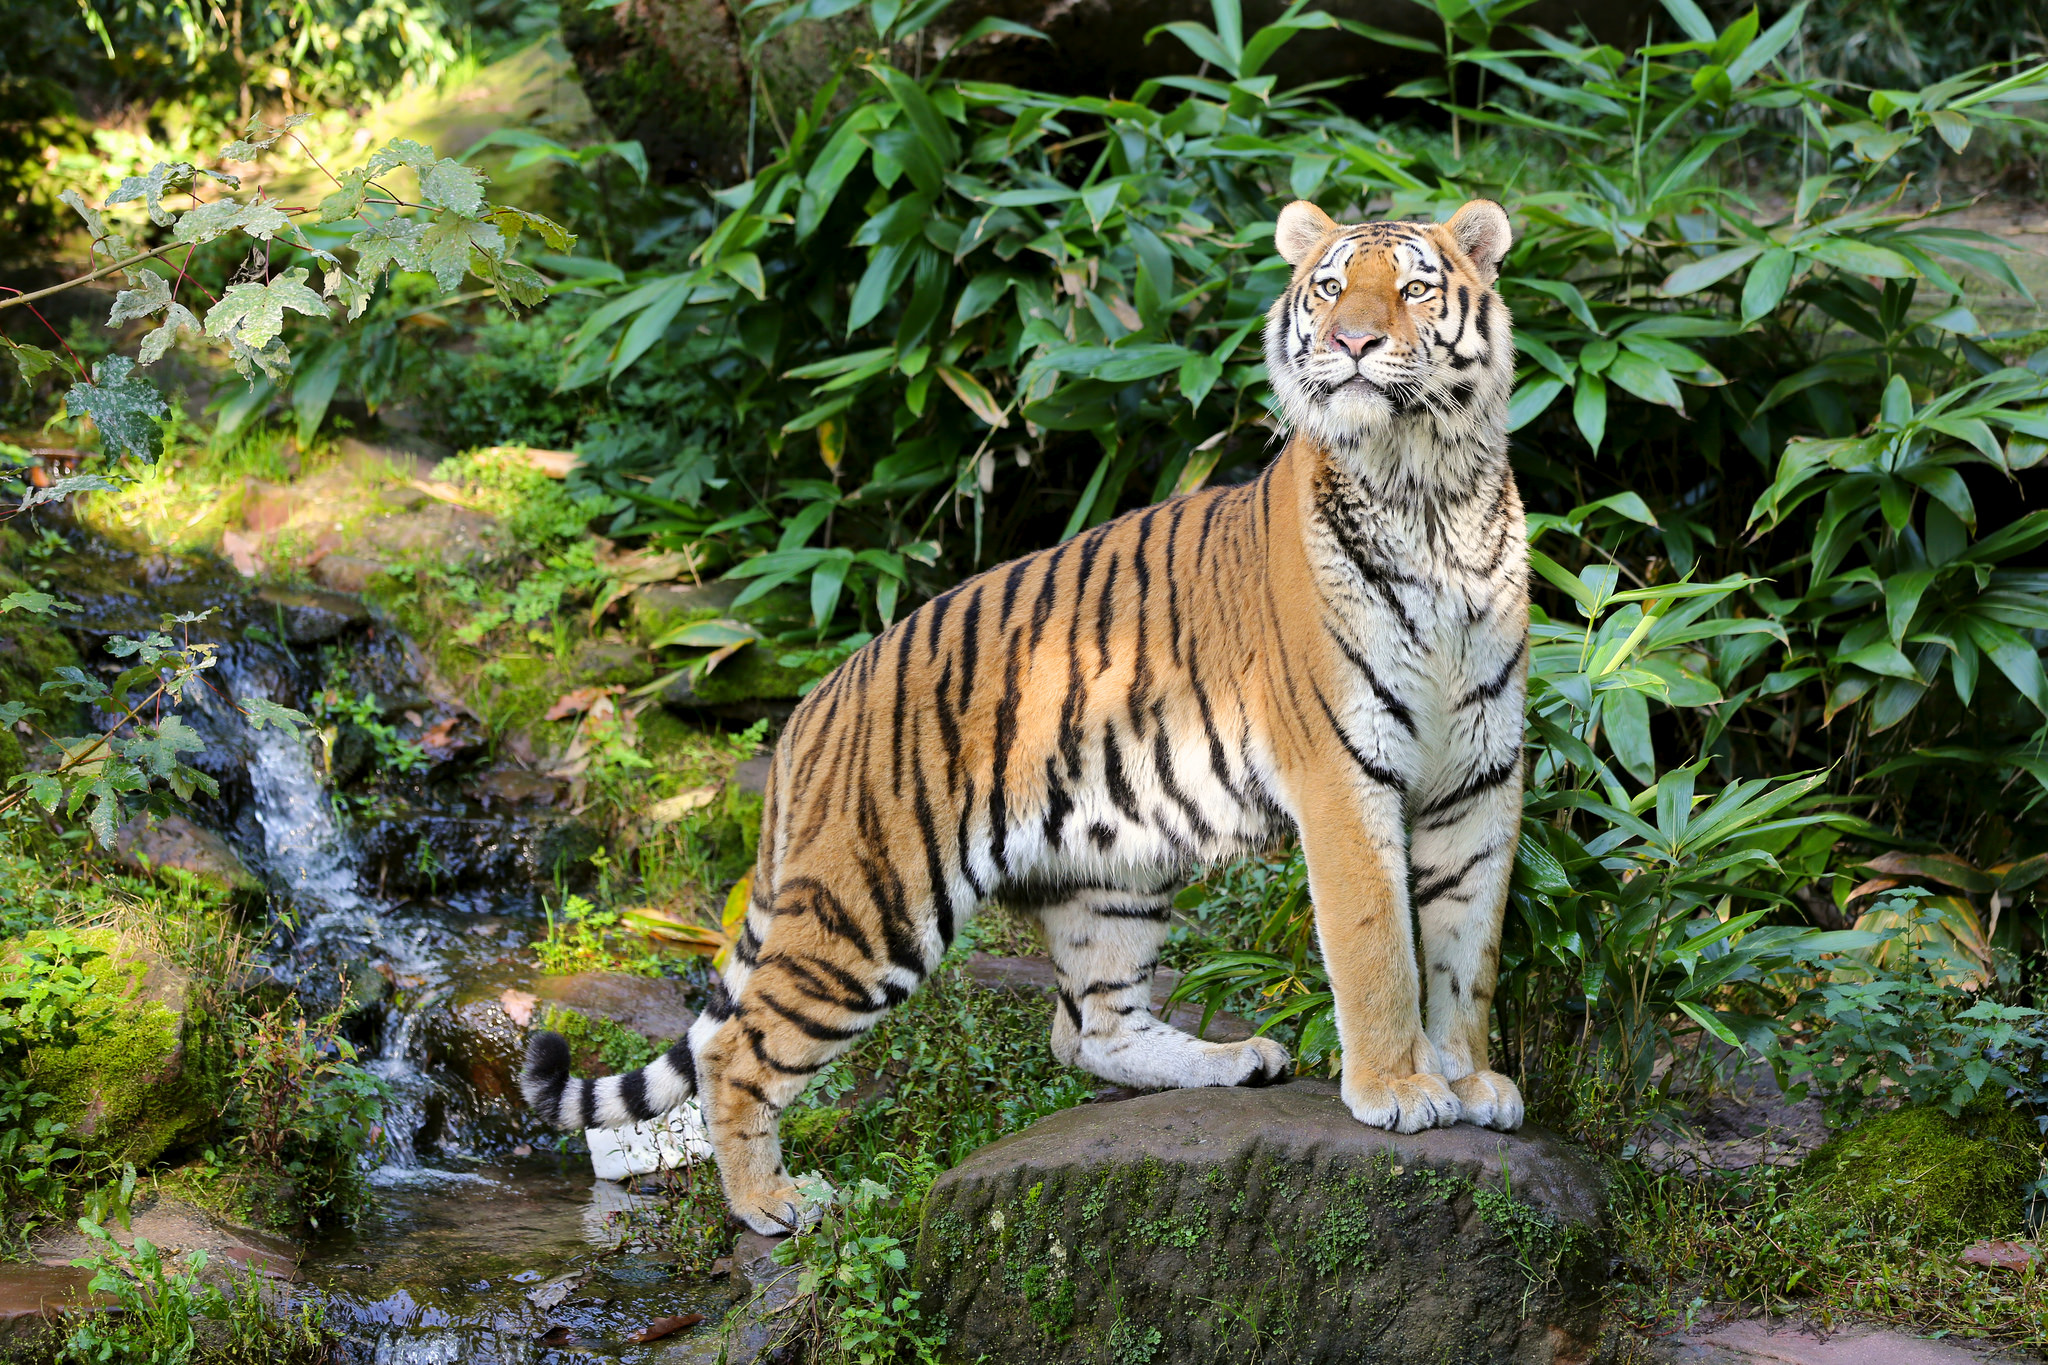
(152, 293)
(262, 711)
(31, 360)
(259, 218)
(393, 242)
(347, 201)
(253, 313)
(252, 143)
(156, 748)
(123, 405)
(150, 187)
(443, 248)
(178, 319)
(112, 244)
(347, 290)
(400, 151)
(448, 184)
(512, 221)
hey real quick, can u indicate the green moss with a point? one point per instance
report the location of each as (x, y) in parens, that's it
(755, 674)
(122, 1088)
(1917, 1170)
(596, 1042)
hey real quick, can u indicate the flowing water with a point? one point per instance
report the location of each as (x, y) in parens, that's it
(489, 1240)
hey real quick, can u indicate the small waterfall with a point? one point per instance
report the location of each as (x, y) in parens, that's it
(306, 849)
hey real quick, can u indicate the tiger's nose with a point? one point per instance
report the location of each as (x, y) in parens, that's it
(1357, 343)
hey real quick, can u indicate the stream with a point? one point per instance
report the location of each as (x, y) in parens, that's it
(489, 1239)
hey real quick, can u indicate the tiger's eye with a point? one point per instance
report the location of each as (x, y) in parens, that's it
(1416, 289)
(1329, 289)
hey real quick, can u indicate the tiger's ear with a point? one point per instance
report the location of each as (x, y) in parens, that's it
(1481, 231)
(1301, 229)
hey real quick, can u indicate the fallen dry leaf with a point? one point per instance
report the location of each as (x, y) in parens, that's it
(661, 1327)
(674, 808)
(556, 1336)
(241, 551)
(519, 1006)
(441, 740)
(1999, 1255)
(555, 1291)
(579, 701)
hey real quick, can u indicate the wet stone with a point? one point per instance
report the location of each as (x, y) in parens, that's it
(154, 843)
(656, 1008)
(1198, 1225)
(34, 1297)
(516, 787)
(313, 616)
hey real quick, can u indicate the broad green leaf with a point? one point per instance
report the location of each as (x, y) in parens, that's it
(123, 406)
(1589, 409)
(1646, 380)
(1860, 258)
(1531, 399)
(31, 361)
(1766, 285)
(1697, 275)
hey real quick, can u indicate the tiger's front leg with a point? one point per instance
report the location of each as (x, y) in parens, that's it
(1463, 853)
(1351, 834)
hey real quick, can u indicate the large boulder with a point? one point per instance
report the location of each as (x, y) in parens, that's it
(1205, 1225)
(123, 1088)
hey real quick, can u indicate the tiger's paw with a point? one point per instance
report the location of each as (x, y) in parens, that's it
(777, 1212)
(1265, 1062)
(1490, 1100)
(1401, 1104)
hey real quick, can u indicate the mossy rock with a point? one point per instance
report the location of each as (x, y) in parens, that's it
(124, 1089)
(1917, 1171)
(1246, 1225)
(755, 674)
(660, 608)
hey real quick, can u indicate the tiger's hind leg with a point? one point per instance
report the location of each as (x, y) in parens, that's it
(1105, 948)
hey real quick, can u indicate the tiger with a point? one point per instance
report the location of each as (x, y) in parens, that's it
(1335, 650)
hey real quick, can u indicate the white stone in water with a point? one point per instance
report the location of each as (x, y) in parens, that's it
(662, 1143)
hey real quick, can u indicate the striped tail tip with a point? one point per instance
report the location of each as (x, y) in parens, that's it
(546, 1076)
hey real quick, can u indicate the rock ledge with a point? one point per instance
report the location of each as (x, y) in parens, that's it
(1219, 1225)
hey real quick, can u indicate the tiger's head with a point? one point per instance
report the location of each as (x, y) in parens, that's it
(1388, 322)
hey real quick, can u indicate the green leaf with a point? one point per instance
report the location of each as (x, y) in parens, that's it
(41, 603)
(178, 319)
(1860, 258)
(31, 360)
(1589, 409)
(512, 221)
(150, 186)
(262, 711)
(123, 405)
(314, 389)
(1531, 399)
(254, 313)
(1697, 275)
(259, 218)
(1626, 714)
(1690, 20)
(1648, 381)
(1766, 284)
(151, 294)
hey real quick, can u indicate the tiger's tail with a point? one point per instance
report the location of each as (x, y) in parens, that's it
(571, 1102)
